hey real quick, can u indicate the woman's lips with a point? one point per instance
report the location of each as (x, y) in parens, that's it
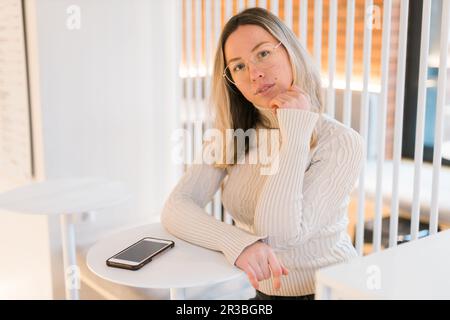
(265, 89)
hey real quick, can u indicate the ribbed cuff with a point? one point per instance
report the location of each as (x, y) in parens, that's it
(297, 125)
(235, 241)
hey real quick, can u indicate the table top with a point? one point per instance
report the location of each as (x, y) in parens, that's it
(56, 196)
(414, 270)
(186, 265)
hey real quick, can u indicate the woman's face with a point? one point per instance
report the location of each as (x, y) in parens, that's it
(277, 77)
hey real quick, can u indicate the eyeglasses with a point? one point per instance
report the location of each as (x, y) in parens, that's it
(264, 58)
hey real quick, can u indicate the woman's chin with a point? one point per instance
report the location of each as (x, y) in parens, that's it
(262, 105)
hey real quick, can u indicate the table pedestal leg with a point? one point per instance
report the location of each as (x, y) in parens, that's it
(71, 269)
(177, 294)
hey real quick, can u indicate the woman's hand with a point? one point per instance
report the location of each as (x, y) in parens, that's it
(294, 98)
(260, 263)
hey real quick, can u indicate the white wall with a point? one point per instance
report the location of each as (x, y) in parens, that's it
(25, 268)
(107, 105)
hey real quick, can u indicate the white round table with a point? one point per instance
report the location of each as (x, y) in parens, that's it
(184, 266)
(66, 198)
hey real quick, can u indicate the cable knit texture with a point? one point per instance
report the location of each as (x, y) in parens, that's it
(300, 210)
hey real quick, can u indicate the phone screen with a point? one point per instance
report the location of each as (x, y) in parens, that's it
(140, 251)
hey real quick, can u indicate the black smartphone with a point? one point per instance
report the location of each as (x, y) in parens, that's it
(139, 254)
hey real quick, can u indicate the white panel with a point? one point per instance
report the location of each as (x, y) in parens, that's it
(208, 209)
(381, 132)
(318, 7)
(191, 71)
(209, 46)
(241, 5)
(179, 80)
(349, 45)
(262, 4)
(364, 120)
(332, 57)
(228, 9)
(217, 25)
(274, 7)
(217, 209)
(288, 13)
(304, 23)
(228, 13)
(199, 111)
(217, 201)
(439, 128)
(420, 124)
(398, 128)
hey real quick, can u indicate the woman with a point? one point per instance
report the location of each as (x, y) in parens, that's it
(292, 222)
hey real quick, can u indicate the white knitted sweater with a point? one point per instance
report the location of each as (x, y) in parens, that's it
(300, 211)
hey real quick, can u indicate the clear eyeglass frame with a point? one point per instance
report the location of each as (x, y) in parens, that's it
(227, 74)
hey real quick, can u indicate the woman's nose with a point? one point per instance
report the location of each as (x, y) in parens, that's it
(255, 72)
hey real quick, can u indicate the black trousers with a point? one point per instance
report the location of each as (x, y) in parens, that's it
(263, 296)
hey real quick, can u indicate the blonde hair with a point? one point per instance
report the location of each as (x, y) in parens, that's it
(231, 110)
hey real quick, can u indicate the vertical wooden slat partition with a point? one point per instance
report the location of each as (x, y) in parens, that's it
(199, 75)
(421, 102)
(188, 113)
(364, 123)
(262, 4)
(217, 27)
(332, 30)
(403, 37)
(226, 216)
(288, 13)
(387, 6)
(349, 47)
(274, 6)
(318, 7)
(304, 22)
(207, 18)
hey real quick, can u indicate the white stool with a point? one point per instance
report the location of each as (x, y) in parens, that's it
(66, 198)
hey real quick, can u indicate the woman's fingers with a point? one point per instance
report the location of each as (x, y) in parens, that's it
(264, 265)
(257, 269)
(279, 101)
(294, 98)
(285, 270)
(275, 267)
(251, 276)
(284, 100)
(260, 263)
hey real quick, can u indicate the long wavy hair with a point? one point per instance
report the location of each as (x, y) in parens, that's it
(231, 110)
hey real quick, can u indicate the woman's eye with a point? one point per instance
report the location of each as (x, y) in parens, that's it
(238, 67)
(264, 53)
